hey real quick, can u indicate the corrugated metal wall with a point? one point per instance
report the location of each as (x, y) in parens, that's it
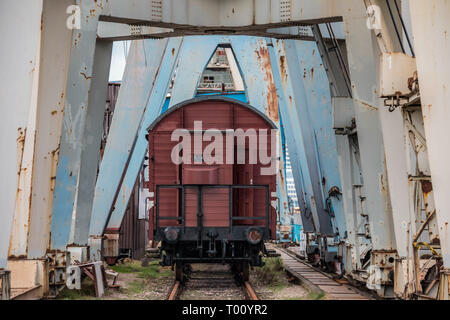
(133, 233)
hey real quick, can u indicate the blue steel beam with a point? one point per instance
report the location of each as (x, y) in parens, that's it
(143, 62)
(293, 145)
(75, 110)
(294, 138)
(297, 108)
(318, 95)
(253, 59)
(91, 144)
(152, 111)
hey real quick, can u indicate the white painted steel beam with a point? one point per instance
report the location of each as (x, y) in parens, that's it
(110, 31)
(363, 63)
(19, 81)
(393, 136)
(431, 29)
(48, 63)
(54, 68)
(215, 15)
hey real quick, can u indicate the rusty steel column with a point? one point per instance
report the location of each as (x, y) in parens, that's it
(47, 55)
(293, 95)
(21, 68)
(253, 59)
(294, 152)
(297, 108)
(363, 62)
(396, 152)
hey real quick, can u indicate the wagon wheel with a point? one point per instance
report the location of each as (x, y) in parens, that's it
(179, 272)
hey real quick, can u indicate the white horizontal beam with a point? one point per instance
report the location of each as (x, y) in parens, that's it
(222, 14)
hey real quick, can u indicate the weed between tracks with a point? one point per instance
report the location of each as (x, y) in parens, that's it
(272, 273)
(271, 282)
(136, 283)
(152, 282)
(152, 271)
(139, 282)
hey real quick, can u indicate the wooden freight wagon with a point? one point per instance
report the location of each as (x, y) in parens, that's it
(212, 204)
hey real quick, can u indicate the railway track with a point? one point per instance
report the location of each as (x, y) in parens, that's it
(319, 281)
(212, 282)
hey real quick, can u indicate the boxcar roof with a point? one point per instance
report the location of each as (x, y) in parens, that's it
(210, 98)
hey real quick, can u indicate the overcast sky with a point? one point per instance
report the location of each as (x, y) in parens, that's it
(120, 49)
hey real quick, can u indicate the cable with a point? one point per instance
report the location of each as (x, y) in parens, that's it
(340, 57)
(404, 29)
(395, 26)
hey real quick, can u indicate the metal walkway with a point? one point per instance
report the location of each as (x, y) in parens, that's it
(317, 281)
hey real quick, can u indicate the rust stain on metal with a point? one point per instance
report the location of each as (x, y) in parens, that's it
(272, 97)
(85, 76)
(427, 187)
(369, 106)
(281, 177)
(99, 4)
(22, 177)
(31, 190)
(283, 69)
(291, 103)
(14, 257)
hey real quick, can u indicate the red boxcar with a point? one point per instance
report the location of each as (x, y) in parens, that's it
(211, 209)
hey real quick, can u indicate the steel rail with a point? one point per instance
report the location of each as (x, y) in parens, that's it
(175, 291)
